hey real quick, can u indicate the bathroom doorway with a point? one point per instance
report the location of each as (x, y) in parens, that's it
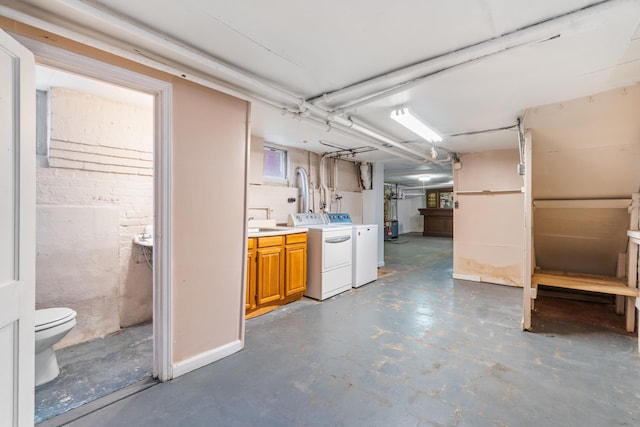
(94, 197)
(99, 188)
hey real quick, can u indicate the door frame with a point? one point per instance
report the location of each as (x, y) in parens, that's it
(161, 90)
(17, 290)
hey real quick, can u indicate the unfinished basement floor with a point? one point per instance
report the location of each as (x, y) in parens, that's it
(414, 348)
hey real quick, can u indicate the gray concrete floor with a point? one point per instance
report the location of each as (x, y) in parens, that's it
(94, 369)
(414, 348)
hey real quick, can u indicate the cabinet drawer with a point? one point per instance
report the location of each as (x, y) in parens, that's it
(267, 241)
(251, 243)
(296, 238)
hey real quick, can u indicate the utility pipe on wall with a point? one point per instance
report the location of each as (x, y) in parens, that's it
(256, 88)
(360, 92)
(304, 188)
(253, 87)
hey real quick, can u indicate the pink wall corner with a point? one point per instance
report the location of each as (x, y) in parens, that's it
(209, 203)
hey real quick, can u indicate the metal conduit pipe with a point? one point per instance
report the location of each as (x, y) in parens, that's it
(265, 92)
(553, 27)
(250, 84)
(376, 145)
(148, 35)
(350, 124)
(304, 187)
(323, 185)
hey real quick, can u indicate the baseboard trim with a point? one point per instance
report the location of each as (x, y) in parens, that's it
(470, 277)
(206, 358)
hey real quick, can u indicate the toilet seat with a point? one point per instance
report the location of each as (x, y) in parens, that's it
(52, 317)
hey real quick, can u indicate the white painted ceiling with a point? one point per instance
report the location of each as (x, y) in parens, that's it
(485, 63)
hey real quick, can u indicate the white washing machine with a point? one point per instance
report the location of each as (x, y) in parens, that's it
(329, 255)
(365, 249)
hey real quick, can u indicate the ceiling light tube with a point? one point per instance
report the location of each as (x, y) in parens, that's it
(408, 120)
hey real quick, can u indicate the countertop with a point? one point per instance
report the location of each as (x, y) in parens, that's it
(274, 231)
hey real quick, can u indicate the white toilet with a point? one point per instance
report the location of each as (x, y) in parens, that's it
(52, 324)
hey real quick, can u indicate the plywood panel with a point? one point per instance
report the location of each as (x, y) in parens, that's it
(580, 240)
(488, 237)
(490, 170)
(588, 147)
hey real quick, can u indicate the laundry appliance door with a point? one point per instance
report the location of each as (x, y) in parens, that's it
(336, 249)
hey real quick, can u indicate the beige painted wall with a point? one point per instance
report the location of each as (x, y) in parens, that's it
(587, 148)
(488, 236)
(207, 285)
(270, 200)
(101, 160)
(209, 153)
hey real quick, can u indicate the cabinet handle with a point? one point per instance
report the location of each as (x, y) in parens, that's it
(337, 239)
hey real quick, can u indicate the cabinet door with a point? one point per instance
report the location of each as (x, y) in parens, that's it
(296, 274)
(270, 274)
(250, 294)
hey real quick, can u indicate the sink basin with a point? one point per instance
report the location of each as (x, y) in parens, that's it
(143, 240)
(261, 229)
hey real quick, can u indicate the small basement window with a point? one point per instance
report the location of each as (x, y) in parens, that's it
(42, 124)
(276, 165)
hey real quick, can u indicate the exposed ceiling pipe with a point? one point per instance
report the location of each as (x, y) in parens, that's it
(374, 144)
(362, 92)
(244, 78)
(257, 88)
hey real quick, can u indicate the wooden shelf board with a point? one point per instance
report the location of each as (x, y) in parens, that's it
(584, 282)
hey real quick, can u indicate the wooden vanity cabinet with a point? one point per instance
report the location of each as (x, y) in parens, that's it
(270, 282)
(250, 291)
(296, 264)
(276, 271)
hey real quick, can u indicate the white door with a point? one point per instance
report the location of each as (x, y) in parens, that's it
(17, 232)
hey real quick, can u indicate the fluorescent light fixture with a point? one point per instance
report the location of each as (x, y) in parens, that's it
(424, 178)
(408, 120)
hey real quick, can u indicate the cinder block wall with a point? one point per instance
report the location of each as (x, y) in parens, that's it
(268, 199)
(95, 194)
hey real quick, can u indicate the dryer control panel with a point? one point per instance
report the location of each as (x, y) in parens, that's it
(338, 218)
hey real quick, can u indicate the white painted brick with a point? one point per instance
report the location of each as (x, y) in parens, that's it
(64, 163)
(101, 155)
(145, 155)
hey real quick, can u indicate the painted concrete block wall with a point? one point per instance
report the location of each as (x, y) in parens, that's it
(270, 200)
(488, 229)
(409, 218)
(77, 266)
(100, 158)
(587, 148)
(210, 144)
